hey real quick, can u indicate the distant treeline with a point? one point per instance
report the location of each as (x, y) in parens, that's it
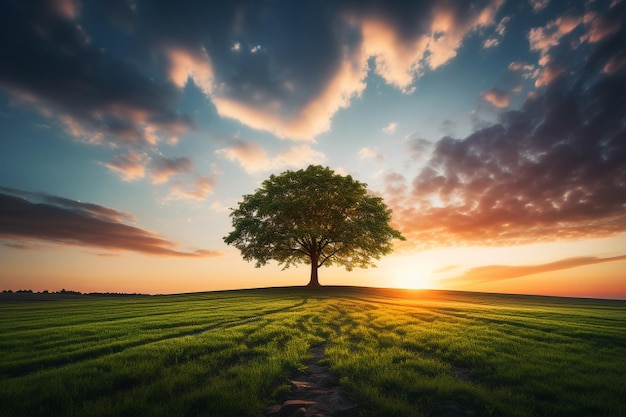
(70, 292)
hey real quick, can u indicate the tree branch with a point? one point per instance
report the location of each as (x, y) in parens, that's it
(327, 257)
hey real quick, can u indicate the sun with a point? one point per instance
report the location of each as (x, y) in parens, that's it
(411, 277)
(412, 283)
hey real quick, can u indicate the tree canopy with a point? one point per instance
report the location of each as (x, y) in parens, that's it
(312, 216)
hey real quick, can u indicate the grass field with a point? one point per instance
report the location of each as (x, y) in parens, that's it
(397, 353)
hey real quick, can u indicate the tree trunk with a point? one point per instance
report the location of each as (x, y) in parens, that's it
(314, 281)
(314, 255)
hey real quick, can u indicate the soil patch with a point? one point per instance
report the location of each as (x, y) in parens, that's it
(315, 393)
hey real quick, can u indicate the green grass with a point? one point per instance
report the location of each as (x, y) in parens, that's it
(397, 353)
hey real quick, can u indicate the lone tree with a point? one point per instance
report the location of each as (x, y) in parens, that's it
(312, 216)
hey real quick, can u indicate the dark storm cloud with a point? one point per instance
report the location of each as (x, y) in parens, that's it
(555, 169)
(51, 61)
(84, 209)
(26, 216)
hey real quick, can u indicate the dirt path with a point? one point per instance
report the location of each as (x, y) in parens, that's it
(315, 393)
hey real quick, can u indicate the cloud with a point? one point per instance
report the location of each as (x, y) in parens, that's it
(313, 60)
(395, 57)
(253, 158)
(401, 54)
(302, 63)
(200, 190)
(493, 273)
(390, 128)
(538, 5)
(544, 38)
(599, 27)
(163, 168)
(572, 31)
(446, 269)
(419, 148)
(84, 209)
(615, 64)
(298, 101)
(97, 97)
(396, 188)
(519, 71)
(447, 127)
(501, 27)
(248, 154)
(130, 166)
(499, 32)
(185, 65)
(549, 73)
(370, 153)
(26, 216)
(133, 166)
(521, 66)
(496, 97)
(278, 116)
(491, 43)
(551, 170)
(65, 8)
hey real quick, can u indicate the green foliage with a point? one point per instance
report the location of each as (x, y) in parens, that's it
(397, 353)
(312, 216)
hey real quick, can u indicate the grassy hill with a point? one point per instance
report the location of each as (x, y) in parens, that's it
(397, 353)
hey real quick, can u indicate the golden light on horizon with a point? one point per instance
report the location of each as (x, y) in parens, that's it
(410, 275)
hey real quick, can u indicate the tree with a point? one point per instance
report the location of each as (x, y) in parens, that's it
(312, 216)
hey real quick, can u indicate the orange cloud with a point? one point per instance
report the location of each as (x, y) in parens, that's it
(307, 121)
(599, 27)
(65, 8)
(496, 97)
(492, 273)
(543, 39)
(491, 43)
(545, 76)
(520, 66)
(130, 166)
(399, 58)
(396, 58)
(185, 65)
(538, 5)
(164, 168)
(615, 64)
(200, 190)
(253, 158)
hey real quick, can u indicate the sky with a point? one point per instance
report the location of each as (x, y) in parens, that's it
(495, 130)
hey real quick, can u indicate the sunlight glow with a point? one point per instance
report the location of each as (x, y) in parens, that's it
(411, 276)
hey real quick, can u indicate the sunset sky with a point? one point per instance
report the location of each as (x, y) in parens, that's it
(495, 130)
